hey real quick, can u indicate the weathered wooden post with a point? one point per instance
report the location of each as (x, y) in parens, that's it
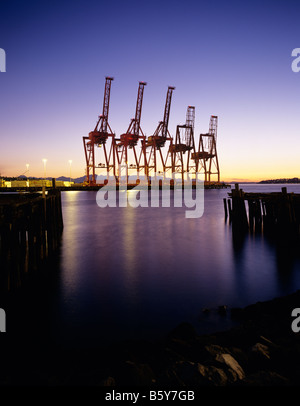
(229, 210)
(251, 214)
(225, 208)
(239, 214)
(258, 217)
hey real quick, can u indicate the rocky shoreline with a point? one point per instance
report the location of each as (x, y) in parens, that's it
(261, 350)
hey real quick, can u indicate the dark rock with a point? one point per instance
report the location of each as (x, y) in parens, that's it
(195, 374)
(134, 374)
(213, 350)
(268, 342)
(211, 375)
(187, 373)
(233, 366)
(265, 378)
(240, 355)
(109, 381)
(184, 331)
(261, 351)
(168, 378)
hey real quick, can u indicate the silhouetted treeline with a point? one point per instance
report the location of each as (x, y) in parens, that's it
(292, 180)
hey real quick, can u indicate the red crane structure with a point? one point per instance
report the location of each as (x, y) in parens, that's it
(149, 156)
(157, 141)
(184, 142)
(126, 146)
(207, 158)
(99, 138)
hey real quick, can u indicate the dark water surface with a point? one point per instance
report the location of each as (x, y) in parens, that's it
(138, 272)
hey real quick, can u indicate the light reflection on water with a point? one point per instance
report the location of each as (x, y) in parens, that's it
(138, 272)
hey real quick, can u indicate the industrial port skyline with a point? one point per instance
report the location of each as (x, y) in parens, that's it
(149, 203)
(52, 89)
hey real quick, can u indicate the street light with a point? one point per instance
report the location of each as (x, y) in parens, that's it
(70, 162)
(45, 161)
(27, 170)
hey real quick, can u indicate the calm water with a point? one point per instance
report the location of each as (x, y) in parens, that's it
(138, 272)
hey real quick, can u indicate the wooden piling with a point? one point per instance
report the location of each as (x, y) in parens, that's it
(277, 213)
(225, 208)
(251, 211)
(30, 230)
(258, 216)
(239, 214)
(229, 209)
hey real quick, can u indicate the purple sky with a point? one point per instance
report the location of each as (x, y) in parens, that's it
(231, 59)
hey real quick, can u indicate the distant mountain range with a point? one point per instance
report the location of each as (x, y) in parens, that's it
(63, 178)
(291, 180)
(83, 178)
(75, 180)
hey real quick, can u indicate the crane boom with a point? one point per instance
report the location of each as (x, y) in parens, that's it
(138, 110)
(105, 110)
(189, 124)
(165, 122)
(213, 126)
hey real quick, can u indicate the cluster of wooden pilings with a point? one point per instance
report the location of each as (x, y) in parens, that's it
(277, 212)
(30, 229)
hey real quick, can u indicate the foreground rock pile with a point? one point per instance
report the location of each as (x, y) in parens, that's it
(261, 351)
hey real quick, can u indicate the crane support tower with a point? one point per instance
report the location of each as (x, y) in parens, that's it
(157, 141)
(103, 138)
(126, 145)
(207, 158)
(184, 145)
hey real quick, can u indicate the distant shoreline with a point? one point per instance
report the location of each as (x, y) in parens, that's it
(97, 187)
(80, 181)
(280, 181)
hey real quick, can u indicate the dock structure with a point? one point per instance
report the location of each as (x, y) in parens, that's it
(30, 229)
(276, 212)
(80, 187)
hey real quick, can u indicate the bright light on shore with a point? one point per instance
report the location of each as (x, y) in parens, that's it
(70, 162)
(45, 161)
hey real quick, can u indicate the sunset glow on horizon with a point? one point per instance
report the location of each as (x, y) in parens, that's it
(227, 59)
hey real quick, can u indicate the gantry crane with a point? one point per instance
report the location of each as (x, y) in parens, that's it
(184, 142)
(207, 158)
(99, 138)
(180, 157)
(157, 141)
(129, 141)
